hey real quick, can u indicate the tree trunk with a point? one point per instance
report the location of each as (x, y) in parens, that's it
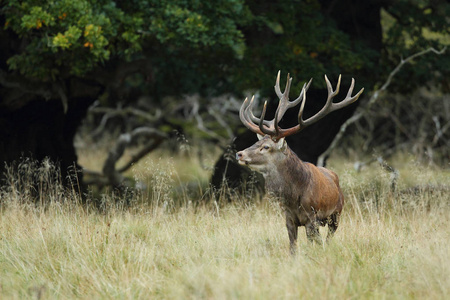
(39, 130)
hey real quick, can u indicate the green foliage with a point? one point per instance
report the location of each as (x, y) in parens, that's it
(296, 37)
(61, 38)
(215, 46)
(411, 26)
(66, 38)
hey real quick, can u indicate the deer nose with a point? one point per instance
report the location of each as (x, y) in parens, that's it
(239, 155)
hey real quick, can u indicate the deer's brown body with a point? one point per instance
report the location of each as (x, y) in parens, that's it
(311, 196)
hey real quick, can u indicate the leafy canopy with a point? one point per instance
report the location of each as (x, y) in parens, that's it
(64, 38)
(214, 46)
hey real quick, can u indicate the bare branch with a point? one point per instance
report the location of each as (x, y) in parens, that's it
(408, 59)
(375, 96)
(155, 137)
(110, 113)
(22, 87)
(110, 174)
(127, 111)
(440, 131)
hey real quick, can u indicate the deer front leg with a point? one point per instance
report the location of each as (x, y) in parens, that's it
(312, 232)
(292, 229)
(333, 223)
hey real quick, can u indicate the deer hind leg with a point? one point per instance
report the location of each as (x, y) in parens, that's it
(292, 228)
(312, 232)
(333, 223)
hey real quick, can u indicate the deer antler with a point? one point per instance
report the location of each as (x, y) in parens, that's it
(272, 129)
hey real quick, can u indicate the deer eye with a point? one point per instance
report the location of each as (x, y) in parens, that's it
(266, 147)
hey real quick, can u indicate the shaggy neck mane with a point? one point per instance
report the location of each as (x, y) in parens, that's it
(290, 176)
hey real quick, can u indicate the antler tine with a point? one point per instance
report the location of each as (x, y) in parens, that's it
(329, 105)
(261, 121)
(348, 99)
(331, 93)
(287, 89)
(289, 104)
(277, 85)
(284, 94)
(283, 105)
(325, 109)
(302, 106)
(252, 116)
(249, 120)
(300, 97)
(243, 115)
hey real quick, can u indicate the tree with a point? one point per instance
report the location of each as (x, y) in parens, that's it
(59, 57)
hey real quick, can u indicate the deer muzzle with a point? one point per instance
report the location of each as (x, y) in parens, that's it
(240, 157)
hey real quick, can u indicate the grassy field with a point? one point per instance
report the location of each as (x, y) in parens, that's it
(390, 245)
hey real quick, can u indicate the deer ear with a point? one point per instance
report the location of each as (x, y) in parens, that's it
(281, 144)
(260, 137)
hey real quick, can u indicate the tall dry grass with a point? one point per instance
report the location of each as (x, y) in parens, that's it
(390, 245)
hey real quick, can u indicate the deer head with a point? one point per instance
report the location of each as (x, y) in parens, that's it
(271, 137)
(263, 155)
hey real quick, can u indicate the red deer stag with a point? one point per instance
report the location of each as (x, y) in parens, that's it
(310, 195)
